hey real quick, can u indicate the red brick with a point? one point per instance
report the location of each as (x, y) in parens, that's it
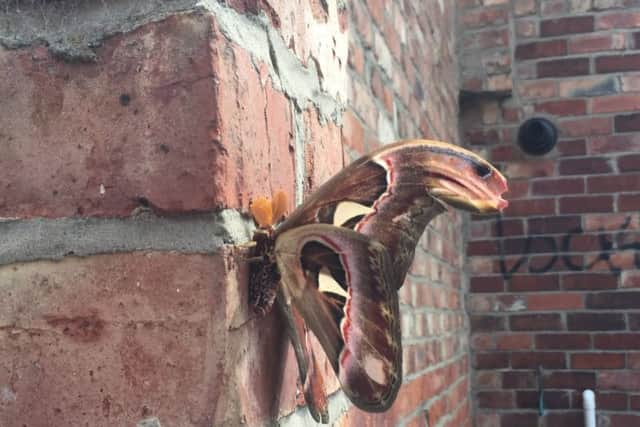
(618, 341)
(619, 380)
(514, 342)
(352, 132)
(550, 187)
(614, 300)
(588, 281)
(585, 166)
(323, 152)
(535, 322)
(528, 399)
(486, 284)
(570, 25)
(530, 207)
(520, 420)
(615, 21)
(533, 283)
(508, 227)
(538, 89)
(519, 379)
(586, 127)
(627, 123)
(617, 63)
(607, 401)
(553, 224)
(596, 43)
(629, 163)
(141, 326)
(613, 183)
(528, 169)
(483, 17)
(178, 161)
(614, 144)
(487, 323)
(634, 402)
(553, 301)
(595, 321)
(572, 147)
(541, 49)
(553, 7)
(614, 104)
(495, 399)
(571, 107)
(524, 7)
(623, 419)
(533, 359)
(609, 222)
(563, 67)
(527, 245)
(597, 360)
(628, 202)
(562, 341)
(588, 86)
(565, 419)
(491, 360)
(571, 380)
(486, 39)
(584, 204)
(482, 247)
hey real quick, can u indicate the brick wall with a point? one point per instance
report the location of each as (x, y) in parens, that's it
(554, 280)
(133, 137)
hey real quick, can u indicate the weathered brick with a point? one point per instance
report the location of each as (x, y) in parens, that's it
(529, 399)
(587, 281)
(524, 7)
(570, 107)
(614, 104)
(614, 300)
(588, 87)
(619, 380)
(597, 360)
(553, 224)
(352, 132)
(617, 63)
(571, 380)
(518, 379)
(487, 323)
(519, 419)
(562, 341)
(495, 399)
(551, 301)
(178, 161)
(612, 21)
(617, 341)
(491, 360)
(586, 127)
(549, 187)
(584, 166)
(533, 359)
(535, 322)
(514, 342)
(486, 284)
(528, 207)
(533, 283)
(526, 28)
(596, 43)
(529, 169)
(570, 25)
(484, 17)
(612, 184)
(595, 321)
(627, 123)
(541, 49)
(563, 67)
(584, 204)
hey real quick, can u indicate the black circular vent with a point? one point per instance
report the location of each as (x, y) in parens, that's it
(537, 136)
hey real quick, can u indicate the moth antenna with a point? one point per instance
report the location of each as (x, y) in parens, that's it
(262, 211)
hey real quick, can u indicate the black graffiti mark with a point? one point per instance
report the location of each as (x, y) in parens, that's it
(607, 247)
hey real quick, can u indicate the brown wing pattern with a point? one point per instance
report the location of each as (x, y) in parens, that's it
(402, 186)
(360, 331)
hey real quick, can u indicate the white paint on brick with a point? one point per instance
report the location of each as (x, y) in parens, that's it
(386, 132)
